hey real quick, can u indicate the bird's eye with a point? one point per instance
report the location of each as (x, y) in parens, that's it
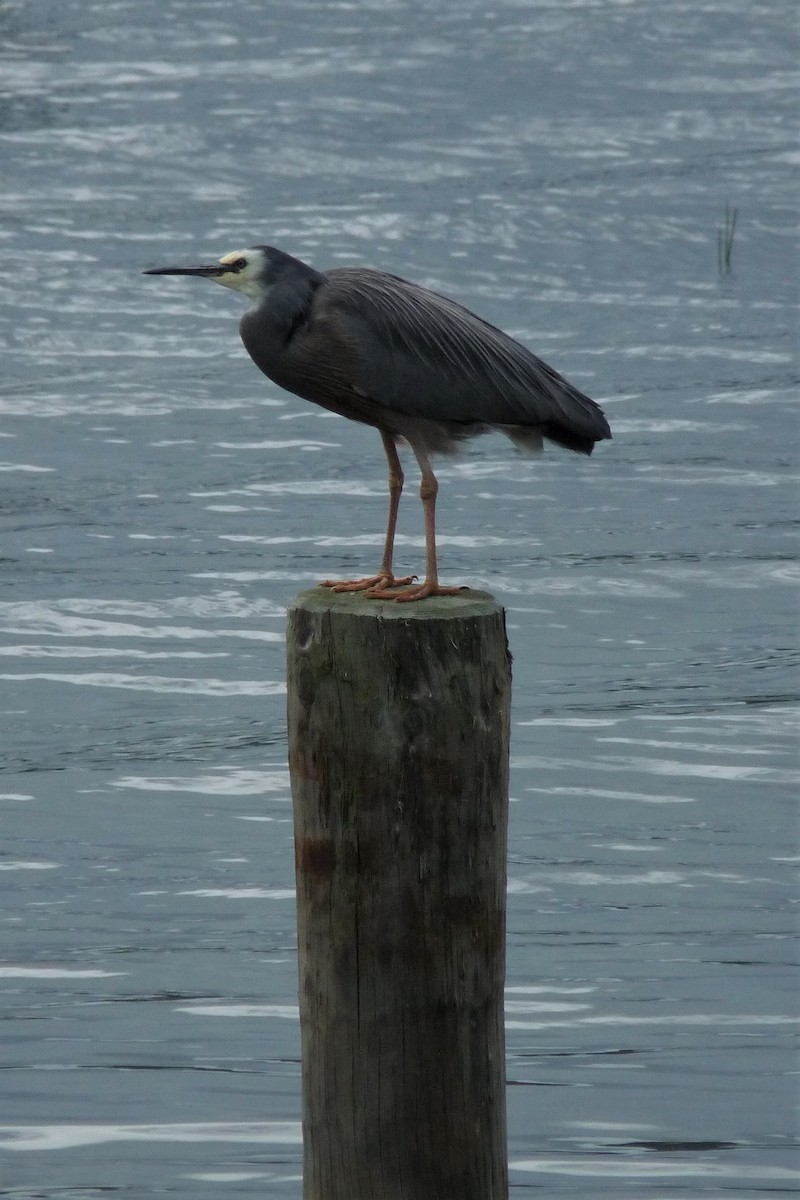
(240, 264)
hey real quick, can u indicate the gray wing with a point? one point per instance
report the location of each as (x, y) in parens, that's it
(422, 355)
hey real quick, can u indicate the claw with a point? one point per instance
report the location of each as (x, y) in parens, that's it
(421, 592)
(382, 582)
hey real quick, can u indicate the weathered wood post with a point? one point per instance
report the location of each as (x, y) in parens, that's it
(398, 752)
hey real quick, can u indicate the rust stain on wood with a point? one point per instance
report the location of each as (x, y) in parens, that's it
(315, 855)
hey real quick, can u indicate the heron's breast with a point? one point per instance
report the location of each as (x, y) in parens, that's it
(314, 363)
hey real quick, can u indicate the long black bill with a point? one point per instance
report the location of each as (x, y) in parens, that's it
(209, 272)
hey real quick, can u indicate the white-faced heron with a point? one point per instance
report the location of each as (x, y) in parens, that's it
(419, 367)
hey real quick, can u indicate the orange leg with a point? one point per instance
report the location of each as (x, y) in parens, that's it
(428, 490)
(385, 578)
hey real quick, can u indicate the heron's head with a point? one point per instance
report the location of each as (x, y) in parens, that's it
(248, 271)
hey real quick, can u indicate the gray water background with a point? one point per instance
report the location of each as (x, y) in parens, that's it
(562, 168)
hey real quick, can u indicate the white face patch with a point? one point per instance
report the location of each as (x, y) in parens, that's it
(246, 279)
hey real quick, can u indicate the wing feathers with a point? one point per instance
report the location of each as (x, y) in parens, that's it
(423, 355)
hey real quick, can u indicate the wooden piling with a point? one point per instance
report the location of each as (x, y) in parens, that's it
(398, 753)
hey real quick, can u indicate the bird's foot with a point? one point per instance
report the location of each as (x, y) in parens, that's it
(383, 582)
(421, 592)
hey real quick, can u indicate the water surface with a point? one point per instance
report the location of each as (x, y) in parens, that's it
(562, 169)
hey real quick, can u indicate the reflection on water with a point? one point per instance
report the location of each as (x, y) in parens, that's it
(60, 1137)
(562, 169)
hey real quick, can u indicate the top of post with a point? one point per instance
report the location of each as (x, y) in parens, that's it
(473, 603)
